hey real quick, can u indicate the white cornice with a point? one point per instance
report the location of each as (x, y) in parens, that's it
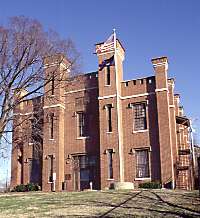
(126, 97)
(161, 90)
(23, 114)
(54, 105)
(80, 90)
(136, 96)
(107, 96)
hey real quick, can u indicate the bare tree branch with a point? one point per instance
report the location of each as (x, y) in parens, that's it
(23, 46)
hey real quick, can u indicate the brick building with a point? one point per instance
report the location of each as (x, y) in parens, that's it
(98, 128)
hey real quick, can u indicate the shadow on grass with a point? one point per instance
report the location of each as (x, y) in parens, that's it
(189, 196)
(145, 203)
(171, 210)
(174, 205)
(106, 214)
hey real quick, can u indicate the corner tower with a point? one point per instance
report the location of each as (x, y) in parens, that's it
(160, 66)
(56, 71)
(110, 60)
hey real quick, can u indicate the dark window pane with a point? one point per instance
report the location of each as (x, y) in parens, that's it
(34, 171)
(109, 117)
(142, 164)
(81, 124)
(53, 84)
(83, 161)
(50, 168)
(108, 75)
(84, 175)
(51, 125)
(140, 117)
(110, 164)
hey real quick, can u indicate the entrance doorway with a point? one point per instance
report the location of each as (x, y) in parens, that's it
(35, 171)
(83, 172)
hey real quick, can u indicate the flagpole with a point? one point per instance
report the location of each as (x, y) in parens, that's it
(115, 39)
(119, 127)
(192, 144)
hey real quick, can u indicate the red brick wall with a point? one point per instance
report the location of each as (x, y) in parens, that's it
(86, 88)
(165, 141)
(22, 148)
(159, 138)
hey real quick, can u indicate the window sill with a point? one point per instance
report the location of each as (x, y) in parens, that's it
(49, 182)
(109, 132)
(141, 179)
(51, 139)
(139, 131)
(110, 179)
(107, 85)
(83, 137)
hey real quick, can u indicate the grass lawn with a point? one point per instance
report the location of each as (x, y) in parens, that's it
(136, 203)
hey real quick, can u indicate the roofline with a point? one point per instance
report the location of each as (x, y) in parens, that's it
(129, 80)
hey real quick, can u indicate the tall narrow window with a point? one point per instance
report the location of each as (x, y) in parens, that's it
(142, 163)
(50, 168)
(51, 125)
(81, 124)
(108, 75)
(53, 84)
(34, 170)
(109, 117)
(140, 122)
(110, 164)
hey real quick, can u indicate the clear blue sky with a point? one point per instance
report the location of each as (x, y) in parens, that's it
(146, 28)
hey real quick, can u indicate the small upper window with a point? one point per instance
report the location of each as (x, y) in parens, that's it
(81, 124)
(51, 125)
(108, 75)
(53, 84)
(109, 117)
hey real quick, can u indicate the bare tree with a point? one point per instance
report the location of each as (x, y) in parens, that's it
(23, 46)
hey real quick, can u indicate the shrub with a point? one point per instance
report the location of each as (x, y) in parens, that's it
(150, 185)
(27, 187)
(30, 187)
(19, 188)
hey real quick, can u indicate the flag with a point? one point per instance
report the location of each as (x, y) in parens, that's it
(107, 62)
(108, 45)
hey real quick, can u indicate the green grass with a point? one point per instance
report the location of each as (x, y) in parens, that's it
(137, 203)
